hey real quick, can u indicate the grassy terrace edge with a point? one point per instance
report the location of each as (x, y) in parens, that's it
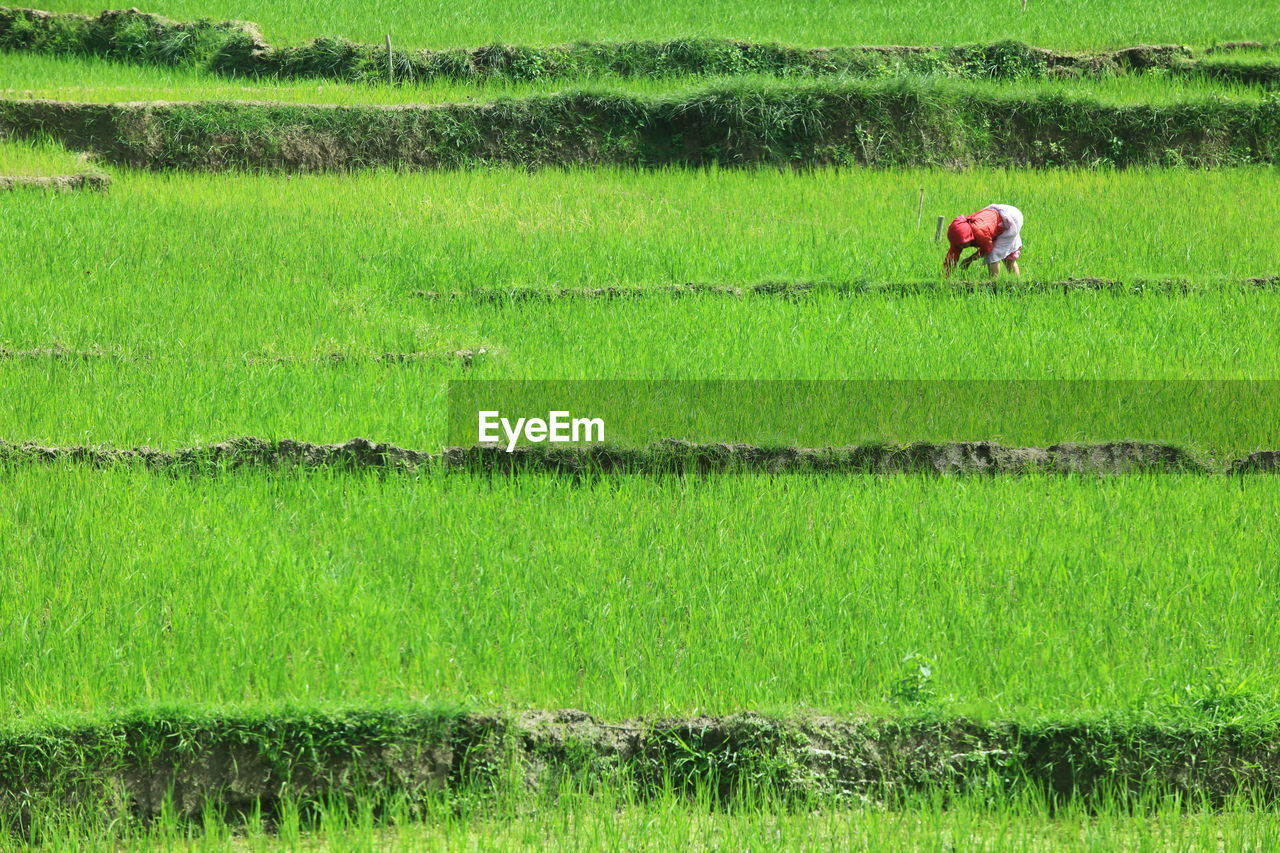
(897, 123)
(237, 48)
(665, 457)
(137, 766)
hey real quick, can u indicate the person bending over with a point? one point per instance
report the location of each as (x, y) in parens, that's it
(995, 233)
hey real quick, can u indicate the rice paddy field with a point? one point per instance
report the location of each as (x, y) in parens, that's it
(263, 655)
(712, 596)
(94, 80)
(432, 23)
(670, 825)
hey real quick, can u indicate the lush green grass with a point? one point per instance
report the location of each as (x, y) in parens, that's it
(233, 244)
(627, 596)
(185, 394)
(672, 824)
(193, 287)
(79, 78)
(38, 158)
(434, 23)
(1246, 57)
(1035, 597)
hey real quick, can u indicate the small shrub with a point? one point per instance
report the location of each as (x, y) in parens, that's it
(915, 685)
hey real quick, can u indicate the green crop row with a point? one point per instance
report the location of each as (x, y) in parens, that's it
(40, 157)
(82, 78)
(198, 289)
(238, 49)
(613, 823)
(216, 266)
(437, 23)
(1019, 597)
(175, 402)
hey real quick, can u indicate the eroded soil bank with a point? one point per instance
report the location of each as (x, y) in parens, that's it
(132, 768)
(837, 123)
(664, 457)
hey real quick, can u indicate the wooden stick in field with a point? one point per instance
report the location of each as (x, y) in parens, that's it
(391, 65)
(937, 235)
(920, 209)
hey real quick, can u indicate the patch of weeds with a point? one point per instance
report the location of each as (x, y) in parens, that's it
(1222, 698)
(738, 758)
(915, 686)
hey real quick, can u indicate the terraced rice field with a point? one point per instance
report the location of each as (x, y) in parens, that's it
(431, 23)
(96, 80)
(267, 645)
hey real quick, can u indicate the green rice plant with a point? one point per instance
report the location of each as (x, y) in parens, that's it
(668, 823)
(237, 48)
(1036, 598)
(433, 23)
(38, 157)
(78, 78)
(197, 288)
(375, 239)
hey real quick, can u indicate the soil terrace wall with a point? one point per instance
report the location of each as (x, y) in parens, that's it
(238, 48)
(133, 767)
(873, 124)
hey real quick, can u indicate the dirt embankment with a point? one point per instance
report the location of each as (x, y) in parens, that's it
(56, 182)
(796, 289)
(665, 457)
(128, 769)
(839, 122)
(465, 357)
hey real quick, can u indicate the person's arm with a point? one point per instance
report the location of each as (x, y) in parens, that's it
(977, 253)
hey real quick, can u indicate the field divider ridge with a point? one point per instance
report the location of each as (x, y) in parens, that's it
(138, 766)
(800, 289)
(87, 181)
(670, 456)
(878, 124)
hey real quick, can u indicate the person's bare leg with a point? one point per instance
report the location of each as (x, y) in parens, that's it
(1012, 266)
(994, 269)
